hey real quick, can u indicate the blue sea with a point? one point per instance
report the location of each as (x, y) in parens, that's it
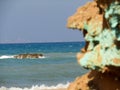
(57, 69)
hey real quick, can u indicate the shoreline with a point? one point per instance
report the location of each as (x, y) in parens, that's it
(32, 88)
(36, 87)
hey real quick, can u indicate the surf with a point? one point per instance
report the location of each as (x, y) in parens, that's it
(14, 57)
(41, 87)
(6, 56)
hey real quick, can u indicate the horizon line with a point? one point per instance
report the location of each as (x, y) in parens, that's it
(38, 42)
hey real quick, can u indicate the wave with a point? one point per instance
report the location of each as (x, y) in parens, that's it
(6, 56)
(41, 87)
(13, 56)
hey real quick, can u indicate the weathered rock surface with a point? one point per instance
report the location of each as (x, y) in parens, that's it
(28, 56)
(99, 21)
(101, 29)
(95, 80)
(85, 17)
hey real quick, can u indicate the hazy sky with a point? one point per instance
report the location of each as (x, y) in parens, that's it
(37, 20)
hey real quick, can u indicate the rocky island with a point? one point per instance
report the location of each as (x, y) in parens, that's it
(28, 56)
(99, 21)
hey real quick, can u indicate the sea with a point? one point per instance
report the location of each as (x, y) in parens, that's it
(57, 69)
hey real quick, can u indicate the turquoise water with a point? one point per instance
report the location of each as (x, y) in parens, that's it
(58, 67)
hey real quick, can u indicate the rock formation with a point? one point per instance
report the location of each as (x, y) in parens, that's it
(28, 56)
(99, 21)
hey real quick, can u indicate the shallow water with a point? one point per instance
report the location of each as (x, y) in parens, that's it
(58, 67)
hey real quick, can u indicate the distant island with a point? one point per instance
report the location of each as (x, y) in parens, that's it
(28, 56)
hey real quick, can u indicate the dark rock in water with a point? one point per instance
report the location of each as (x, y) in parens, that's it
(28, 56)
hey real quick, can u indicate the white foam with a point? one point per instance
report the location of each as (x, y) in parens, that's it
(6, 56)
(42, 57)
(13, 56)
(41, 87)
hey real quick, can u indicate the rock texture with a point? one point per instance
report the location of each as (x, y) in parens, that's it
(95, 80)
(99, 21)
(28, 56)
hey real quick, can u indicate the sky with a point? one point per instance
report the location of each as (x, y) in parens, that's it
(25, 21)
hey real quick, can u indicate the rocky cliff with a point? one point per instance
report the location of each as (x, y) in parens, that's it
(99, 21)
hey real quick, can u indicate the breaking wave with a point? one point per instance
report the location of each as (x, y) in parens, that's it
(41, 87)
(12, 56)
(6, 56)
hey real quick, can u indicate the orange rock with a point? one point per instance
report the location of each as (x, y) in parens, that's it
(87, 14)
(116, 61)
(99, 21)
(95, 80)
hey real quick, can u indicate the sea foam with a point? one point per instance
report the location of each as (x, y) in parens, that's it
(6, 56)
(41, 87)
(13, 56)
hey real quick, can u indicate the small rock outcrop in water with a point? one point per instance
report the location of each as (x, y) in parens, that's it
(28, 56)
(99, 21)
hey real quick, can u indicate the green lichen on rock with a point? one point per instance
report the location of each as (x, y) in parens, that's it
(108, 41)
(99, 21)
(113, 14)
(93, 29)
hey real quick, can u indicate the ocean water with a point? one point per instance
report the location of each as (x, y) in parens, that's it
(57, 69)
